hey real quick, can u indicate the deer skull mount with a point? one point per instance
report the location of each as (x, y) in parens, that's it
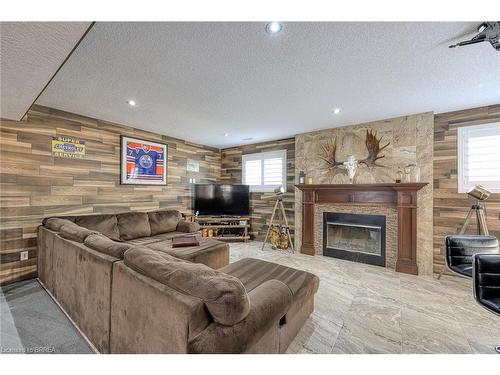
(372, 145)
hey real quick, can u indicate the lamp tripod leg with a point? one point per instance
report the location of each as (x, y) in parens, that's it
(283, 213)
(442, 271)
(481, 221)
(270, 224)
(467, 219)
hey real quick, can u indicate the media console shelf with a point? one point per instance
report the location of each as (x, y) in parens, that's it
(225, 228)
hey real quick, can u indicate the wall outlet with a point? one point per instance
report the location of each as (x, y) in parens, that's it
(24, 255)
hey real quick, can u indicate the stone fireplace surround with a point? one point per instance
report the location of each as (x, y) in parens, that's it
(411, 141)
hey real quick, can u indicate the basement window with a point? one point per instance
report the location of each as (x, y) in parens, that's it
(264, 171)
(479, 157)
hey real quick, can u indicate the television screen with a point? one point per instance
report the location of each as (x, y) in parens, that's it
(211, 199)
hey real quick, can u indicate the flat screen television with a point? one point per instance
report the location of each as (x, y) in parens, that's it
(221, 200)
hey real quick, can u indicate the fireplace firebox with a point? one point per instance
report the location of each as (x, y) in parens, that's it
(355, 237)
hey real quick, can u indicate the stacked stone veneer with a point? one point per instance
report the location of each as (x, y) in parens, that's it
(411, 141)
(391, 222)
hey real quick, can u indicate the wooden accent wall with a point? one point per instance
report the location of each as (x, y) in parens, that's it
(34, 184)
(261, 209)
(450, 207)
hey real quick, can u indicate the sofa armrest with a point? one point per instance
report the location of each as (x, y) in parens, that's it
(188, 226)
(269, 302)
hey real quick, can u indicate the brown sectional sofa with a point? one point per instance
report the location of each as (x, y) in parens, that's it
(129, 291)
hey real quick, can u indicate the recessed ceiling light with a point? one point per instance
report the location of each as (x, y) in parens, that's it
(274, 27)
(226, 134)
(247, 139)
(336, 111)
(131, 103)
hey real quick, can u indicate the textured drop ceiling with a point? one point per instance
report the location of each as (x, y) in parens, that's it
(30, 54)
(198, 81)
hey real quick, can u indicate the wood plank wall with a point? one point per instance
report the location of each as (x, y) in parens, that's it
(260, 208)
(450, 207)
(34, 184)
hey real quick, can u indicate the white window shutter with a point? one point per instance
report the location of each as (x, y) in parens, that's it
(264, 171)
(273, 171)
(253, 172)
(479, 157)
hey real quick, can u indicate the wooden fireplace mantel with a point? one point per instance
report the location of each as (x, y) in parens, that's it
(403, 196)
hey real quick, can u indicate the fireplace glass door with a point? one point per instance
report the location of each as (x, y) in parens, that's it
(355, 237)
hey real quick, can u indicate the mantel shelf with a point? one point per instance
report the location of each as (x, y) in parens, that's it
(364, 187)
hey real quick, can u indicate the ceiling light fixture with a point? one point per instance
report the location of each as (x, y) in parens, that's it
(226, 134)
(131, 103)
(274, 27)
(336, 111)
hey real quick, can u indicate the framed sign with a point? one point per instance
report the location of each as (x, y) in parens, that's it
(143, 162)
(192, 165)
(67, 147)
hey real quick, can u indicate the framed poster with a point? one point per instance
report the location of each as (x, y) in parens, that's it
(192, 165)
(143, 162)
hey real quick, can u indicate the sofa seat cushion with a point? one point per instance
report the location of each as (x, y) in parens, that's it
(107, 246)
(55, 223)
(75, 232)
(154, 239)
(133, 225)
(163, 221)
(105, 224)
(223, 295)
(253, 272)
(190, 252)
(138, 255)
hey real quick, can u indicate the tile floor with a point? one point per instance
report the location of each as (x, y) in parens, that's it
(368, 309)
(359, 309)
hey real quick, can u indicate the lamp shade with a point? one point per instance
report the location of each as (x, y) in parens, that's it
(478, 192)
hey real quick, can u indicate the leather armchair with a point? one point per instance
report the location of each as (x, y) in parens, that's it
(461, 248)
(486, 281)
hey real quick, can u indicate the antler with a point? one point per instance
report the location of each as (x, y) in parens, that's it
(374, 149)
(329, 151)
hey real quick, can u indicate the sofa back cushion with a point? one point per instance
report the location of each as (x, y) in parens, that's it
(104, 224)
(55, 223)
(132, 225)
(104, 245)
(164, 221)
(69, 218)
(74, 232)
(224, 296)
